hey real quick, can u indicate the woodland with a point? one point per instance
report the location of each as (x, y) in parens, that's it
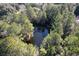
(39, 29)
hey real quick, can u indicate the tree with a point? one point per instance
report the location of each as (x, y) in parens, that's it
(14, 29)
(42, 51)
(31, 13)
(13, 46)
(68, 24)
(53, 44)
(4, 25)
(55, 20)
(71, 45)
(4, 29)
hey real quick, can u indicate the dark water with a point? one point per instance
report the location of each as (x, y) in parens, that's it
(39, 35)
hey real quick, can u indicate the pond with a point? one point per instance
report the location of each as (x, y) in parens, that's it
(39, 34)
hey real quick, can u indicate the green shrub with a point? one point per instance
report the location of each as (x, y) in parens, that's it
(52, 44)
(15, 47)
(43, 52)
(71, 45)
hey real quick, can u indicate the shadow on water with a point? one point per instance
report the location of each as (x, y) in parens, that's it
(39, 34)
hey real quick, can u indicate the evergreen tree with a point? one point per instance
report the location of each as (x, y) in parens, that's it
(52, 45)
(71, 44)
(55, 20)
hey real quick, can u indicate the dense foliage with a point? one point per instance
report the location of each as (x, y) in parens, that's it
(54, 27)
